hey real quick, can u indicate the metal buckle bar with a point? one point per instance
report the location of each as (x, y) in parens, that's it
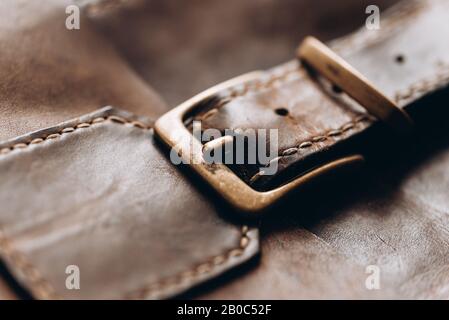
(170, 128)
(321, 58)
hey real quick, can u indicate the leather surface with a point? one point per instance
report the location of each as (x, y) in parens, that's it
(317, 121)
(50, 74)
(5, 291)
(184, 47)
(395, 217)
(314, 246)
(92, 192)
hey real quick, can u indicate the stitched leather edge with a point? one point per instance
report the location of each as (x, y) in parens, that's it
(185, 278)
(43, 289)
(438, 80)
(429, 84)
(39, 286)
(422, 86)
(82, 125)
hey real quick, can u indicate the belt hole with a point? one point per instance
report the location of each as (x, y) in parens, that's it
(399, 58)
(336, 89)
(281, 112)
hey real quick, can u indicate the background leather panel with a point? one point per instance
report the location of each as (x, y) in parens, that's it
(394, 216)
(184, 47)
(100, 195)
(50, 74)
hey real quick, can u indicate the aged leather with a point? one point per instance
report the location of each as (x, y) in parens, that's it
(316, 245)
(54, 83)
(317, 121)
(183, 47)
(50, 74)
(92, 192)
(396, 216)
(5, 291)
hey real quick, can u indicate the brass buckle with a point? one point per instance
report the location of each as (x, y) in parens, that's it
(321, 58)
(170, 128)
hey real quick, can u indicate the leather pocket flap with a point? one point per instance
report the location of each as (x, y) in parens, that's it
(95, 198)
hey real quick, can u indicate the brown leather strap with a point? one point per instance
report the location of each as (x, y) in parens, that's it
(91, 193)
(62, 204)
(317, 123)
(161, 236)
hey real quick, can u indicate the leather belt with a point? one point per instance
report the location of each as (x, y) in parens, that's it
(138, 227)
(354, 84)
(171, 128)
(314, 120)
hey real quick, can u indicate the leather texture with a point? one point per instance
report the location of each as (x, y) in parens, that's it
(92, 193)
(315, 121)
(43, 84)
(5, 291)
(98, 191)
(395, 217)
(184, 47)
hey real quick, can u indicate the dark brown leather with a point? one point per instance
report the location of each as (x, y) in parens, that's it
(92, 192)
(319, 248)
(43, 84)
(183, 47)
(105, 196)
(396, 216)
(50, 74)
(6, 292)
(317, 121)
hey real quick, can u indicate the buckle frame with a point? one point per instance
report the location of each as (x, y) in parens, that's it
(170, 128)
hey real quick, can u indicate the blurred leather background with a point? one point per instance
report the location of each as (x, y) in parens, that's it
(182, 47)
